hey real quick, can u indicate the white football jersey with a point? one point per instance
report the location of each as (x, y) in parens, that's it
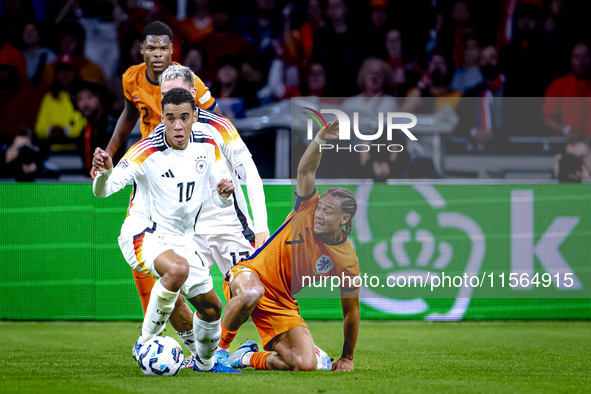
(173, 183)
(214, 220)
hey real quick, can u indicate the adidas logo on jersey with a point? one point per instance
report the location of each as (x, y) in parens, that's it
(168, 174)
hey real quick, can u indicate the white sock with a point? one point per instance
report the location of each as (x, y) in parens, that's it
(188, 339)
(207, 336)
(246, 358)
(158, 311)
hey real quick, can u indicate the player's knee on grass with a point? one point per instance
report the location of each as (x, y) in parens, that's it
(299, 363)
(304, 363)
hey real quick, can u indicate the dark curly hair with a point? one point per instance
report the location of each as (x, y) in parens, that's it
(178, 96)
(156, 28)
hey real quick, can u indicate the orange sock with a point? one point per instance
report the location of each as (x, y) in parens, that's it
(258, 360)
(227, 337)
(144, 284)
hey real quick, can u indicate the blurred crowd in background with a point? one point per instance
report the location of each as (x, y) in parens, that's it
(61, 63)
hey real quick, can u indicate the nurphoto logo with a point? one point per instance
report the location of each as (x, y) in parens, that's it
(392, 123)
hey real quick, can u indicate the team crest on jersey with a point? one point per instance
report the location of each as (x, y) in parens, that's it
(201, 166)
(123, 163)
(324, 264)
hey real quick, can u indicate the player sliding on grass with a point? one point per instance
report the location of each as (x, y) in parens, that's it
(310, 243)
(176, 169)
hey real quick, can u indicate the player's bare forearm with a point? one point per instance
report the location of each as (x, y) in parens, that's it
(351, 321)
(217, 110)
(350, 331)
(311, 159)
(123, 128)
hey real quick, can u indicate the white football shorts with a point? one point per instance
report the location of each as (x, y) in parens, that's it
(141, 244)
(225, 250)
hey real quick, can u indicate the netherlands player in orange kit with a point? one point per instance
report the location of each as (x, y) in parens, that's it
(141, 88)
(142, 100)
(310, 243)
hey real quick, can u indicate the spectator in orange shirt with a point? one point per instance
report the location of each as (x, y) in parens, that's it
(567, 102)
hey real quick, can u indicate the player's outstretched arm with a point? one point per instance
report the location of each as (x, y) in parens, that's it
(311, 158)
(350, 305)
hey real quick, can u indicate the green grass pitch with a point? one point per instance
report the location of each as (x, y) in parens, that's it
(390, 357)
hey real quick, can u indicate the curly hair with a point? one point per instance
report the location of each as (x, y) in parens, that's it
(156, 28)
(178, 96)
(348, 204)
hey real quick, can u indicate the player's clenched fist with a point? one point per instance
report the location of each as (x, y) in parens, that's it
(101, 160)
(225, 188)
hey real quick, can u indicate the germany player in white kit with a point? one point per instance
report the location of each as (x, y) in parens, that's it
(222, 236)
(177, 170)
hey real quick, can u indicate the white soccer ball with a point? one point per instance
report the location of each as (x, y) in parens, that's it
(322, 359)
(161, 356)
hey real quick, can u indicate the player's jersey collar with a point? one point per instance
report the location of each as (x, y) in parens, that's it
(334, 243)
(149, 80)
(158, 137)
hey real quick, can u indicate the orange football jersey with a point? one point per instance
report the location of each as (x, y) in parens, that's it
(295, 251)
(145, 94)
